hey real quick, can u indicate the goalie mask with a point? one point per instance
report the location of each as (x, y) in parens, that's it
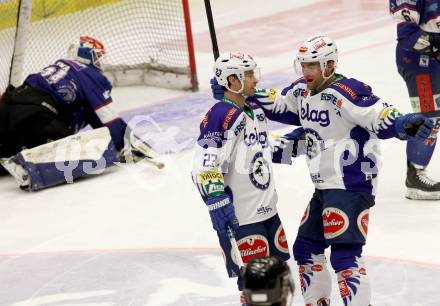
(90, 51)
(234, 63)
(267, 281)
(320, 49)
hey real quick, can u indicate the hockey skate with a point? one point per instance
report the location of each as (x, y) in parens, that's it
(420, 186)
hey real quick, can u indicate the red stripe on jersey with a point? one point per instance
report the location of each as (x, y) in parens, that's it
(106, 102)
(423, 82)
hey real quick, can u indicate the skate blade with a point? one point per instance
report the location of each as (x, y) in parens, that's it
(417, 194)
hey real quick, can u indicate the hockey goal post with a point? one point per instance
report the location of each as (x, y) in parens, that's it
(147, 41)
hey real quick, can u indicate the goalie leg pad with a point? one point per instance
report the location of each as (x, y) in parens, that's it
(64, 160)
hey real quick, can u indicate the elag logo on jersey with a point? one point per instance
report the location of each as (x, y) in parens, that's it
(335, 222)
(362, 222)
(320, 116)
(281, 240)
(254, 137)
(251, 246)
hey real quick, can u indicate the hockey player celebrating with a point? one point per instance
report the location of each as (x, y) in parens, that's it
(50, 106)
(233, 171)
(418, 62)
(268, 282)
(342, 120)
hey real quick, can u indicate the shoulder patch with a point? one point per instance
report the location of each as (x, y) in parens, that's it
(220, 117)
(355, 91)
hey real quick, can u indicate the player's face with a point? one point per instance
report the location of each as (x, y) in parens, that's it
(251, 79)
(312, 74)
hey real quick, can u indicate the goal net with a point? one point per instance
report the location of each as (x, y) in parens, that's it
(147, 41)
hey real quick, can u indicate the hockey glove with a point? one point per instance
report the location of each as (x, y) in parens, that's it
(290, 145)
(136, 150)
(217, 90)
(429, 43)
(413, 126)
(222, 213)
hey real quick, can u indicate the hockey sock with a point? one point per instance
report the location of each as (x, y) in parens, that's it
(353, 282)
(314, 276)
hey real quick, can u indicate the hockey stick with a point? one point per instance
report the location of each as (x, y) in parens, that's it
(146, 150)
(432, 114)
(211, 29)
(215, 51)
(235, 249)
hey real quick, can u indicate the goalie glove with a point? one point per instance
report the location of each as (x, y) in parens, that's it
(413, 126)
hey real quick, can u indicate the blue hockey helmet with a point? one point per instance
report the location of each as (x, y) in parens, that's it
(90, 51)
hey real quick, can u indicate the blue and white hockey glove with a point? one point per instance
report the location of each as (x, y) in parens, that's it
(413, 126)
(290, 145)
(217, 90)
(222, 213)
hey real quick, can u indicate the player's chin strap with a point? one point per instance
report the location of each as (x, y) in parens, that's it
(240, 91)
(325, 79)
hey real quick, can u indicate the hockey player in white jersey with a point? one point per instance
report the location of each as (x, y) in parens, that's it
(343, 121)
(233, 171)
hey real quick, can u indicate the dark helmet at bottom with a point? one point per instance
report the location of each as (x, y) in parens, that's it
(267, 281)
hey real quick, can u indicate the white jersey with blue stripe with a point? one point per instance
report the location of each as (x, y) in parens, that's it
(233, 161)
(342, 123)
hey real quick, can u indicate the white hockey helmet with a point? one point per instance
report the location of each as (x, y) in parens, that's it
(234, 63)
(318, 49)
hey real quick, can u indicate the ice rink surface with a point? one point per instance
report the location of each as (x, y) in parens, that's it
(140, 236)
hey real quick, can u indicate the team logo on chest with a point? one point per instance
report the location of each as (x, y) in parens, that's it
(259, 172)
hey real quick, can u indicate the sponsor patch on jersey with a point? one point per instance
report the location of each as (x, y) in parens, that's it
(313, 115)
(347, 273)
(424, 60)
(205, 120)
(343, 288)
(305, 216)
(263, 210)
(317, 268)
(272, 94)
(362, 222)
(259, 172)
(240, 126)
(389, 112)
(253, 137)
(228, 118)
(335, 222)
(251, 246)
(281, 240)
(347, 90)
(212, 182)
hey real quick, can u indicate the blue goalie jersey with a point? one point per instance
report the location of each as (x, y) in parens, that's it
(82, 94)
